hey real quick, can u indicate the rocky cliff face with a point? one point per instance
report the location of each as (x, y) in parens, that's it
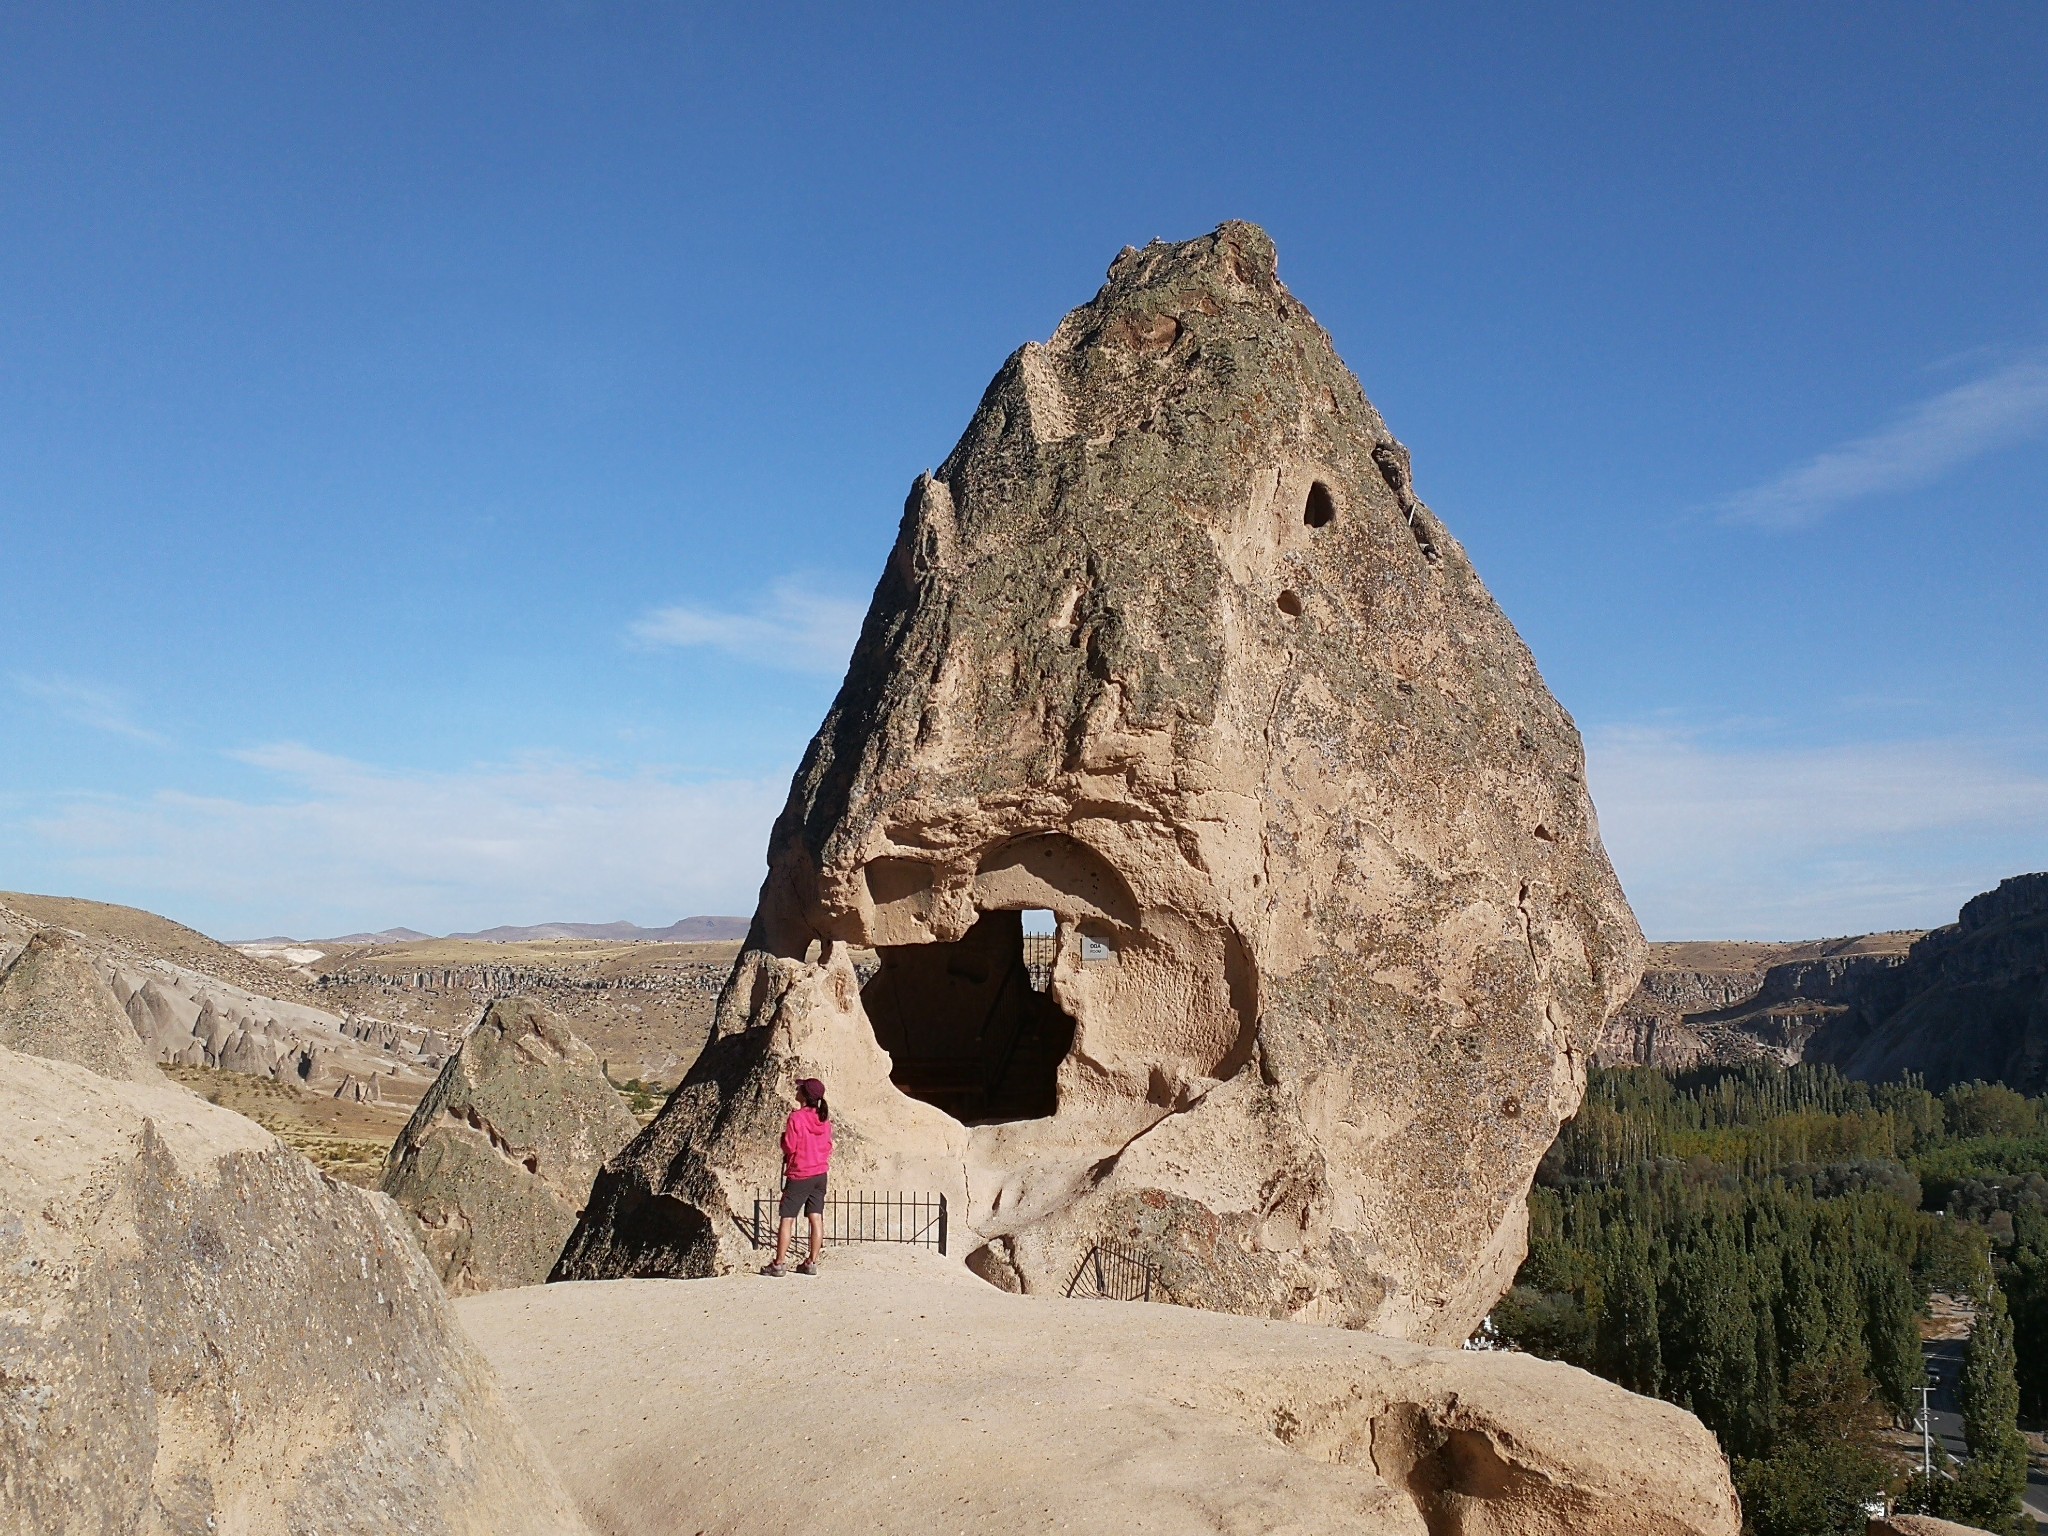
(496, 1162)
(646, 1008)
(201, 1333)
(1706, 1004)
(1962, 1002)
(1968, 1001)
(1170, 649)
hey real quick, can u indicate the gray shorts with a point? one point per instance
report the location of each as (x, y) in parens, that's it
(803, 1197)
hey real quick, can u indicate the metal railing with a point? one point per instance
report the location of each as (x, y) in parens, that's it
(863, 1217)
(1040, 950)
(1111, 1273)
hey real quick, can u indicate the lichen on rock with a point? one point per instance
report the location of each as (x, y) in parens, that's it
(1170, 649)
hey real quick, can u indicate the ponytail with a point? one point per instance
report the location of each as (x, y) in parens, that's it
(811, 1093)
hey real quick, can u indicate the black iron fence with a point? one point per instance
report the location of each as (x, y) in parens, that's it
(863, 1217)
(1113, 1274)
(1040, 950)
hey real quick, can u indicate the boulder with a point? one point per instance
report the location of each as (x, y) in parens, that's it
(911, 1398)
(1170, 649)
(54, 1003)
(1918, 1525)
(201, 1332)
(495, 1164)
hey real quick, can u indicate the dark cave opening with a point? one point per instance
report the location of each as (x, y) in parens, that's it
(966, 1028)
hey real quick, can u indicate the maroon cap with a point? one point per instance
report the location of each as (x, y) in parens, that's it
(811, 1089)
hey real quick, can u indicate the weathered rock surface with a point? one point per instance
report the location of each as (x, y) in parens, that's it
(938, 1404)
(495, 1164)
(201, 1333)
(1170, 648)
(53, 1003)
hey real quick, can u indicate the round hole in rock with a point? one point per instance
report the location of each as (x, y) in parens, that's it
(1321, 508)
(1290, 604)
(965, 1027)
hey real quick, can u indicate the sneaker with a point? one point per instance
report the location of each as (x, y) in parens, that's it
(808, 1267)
(774, 1269)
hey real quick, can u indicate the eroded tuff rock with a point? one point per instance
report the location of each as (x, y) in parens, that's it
(199, 1332)
(54, 1003)
(1170, 648)
(495, 1164)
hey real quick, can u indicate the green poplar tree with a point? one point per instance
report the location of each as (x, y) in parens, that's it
(1627, 1345)
(1987, 1492)
(1891, 1333)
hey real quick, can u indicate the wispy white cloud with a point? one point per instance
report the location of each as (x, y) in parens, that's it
(793, 626)
(339, 845)
(98, 709)
(1720, 839)
(2003, 407)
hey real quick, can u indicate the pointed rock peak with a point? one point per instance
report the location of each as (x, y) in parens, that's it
(495, 1163)
(54, 1002)
(1230, 873)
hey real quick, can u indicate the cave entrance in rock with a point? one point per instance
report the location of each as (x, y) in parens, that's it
(965, 1027)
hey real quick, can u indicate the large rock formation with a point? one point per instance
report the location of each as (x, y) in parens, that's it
(495, 1164)
(1169, 648)
(54, 1003)
(201, 1333)
(946, 1406)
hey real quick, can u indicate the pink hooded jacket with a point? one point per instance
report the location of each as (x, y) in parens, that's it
(806, 1144)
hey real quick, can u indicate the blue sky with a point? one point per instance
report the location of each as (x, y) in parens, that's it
(444, 451)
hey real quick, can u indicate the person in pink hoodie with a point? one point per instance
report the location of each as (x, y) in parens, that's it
(806, 1156)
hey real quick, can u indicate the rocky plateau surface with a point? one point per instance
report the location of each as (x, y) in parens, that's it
(938, 1404)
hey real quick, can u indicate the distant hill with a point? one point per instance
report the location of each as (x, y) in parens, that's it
(158, 938)
(691, 930)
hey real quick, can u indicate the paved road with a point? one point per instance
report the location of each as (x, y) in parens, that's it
(1944, 1365)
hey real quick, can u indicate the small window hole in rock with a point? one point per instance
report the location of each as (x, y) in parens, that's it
(966, 1024)
(1321, 508)
(1041, 947)
(1290, 603)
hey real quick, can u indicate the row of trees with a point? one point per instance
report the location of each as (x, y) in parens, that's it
(1752, 1244)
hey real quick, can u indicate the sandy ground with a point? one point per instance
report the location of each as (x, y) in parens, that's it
(896, 1392)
